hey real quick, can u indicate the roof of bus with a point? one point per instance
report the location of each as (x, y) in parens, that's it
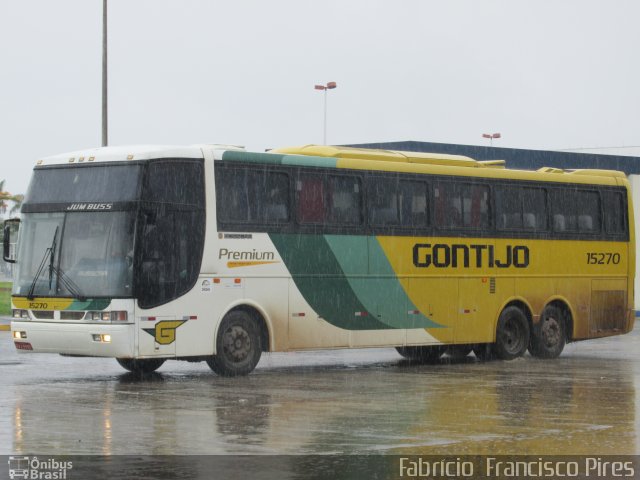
(417, 162)
(132, 152)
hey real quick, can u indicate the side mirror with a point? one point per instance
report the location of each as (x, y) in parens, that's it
(11, 228)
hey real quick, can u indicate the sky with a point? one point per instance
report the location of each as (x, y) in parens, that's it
(545, 74)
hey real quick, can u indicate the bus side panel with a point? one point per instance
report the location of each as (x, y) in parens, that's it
(307, 329)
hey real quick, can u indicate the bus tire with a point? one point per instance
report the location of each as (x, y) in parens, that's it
(140, 365)
(549, 335)
(238, 345)
(512, 334)
(422, 353)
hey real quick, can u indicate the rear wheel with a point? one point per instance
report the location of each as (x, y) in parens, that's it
(423, 353)
(140, 365)
(512, 334)
(549, 335)
(238, 345)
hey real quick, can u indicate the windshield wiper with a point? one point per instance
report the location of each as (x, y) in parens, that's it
(50, 251)
(63, 278)
(69, 284)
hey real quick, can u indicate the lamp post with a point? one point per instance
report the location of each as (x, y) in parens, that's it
(105, 122)
(491, 136)
(328, 86)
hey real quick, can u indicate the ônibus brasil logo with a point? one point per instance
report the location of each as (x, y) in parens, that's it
(35, 468)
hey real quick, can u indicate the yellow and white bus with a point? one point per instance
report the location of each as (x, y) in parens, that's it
(214, 253)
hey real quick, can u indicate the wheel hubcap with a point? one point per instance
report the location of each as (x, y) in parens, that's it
(237, 343)
(511, 336)
(550, 331)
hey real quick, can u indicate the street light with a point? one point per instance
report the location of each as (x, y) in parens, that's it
(105, 121)
(328, 86)
(491, 136)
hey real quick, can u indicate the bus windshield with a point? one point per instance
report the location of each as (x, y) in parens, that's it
(92, 254)
(77, 232)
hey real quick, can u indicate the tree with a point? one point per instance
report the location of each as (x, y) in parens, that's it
(8, 197)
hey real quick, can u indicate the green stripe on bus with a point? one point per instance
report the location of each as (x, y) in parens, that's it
(381, 293)
(327, 290)
(94, 304)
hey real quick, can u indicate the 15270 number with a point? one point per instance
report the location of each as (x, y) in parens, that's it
(600, 258)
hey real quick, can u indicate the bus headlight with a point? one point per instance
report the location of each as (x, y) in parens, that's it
(19, 313)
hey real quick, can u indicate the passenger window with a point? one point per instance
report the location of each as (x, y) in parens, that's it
(252, 196)
(310, 199)
(345, 200)
(272, 197)
(384, 202)
(394, 202)
(614, 212)
(413, 204)
(520, 208)
(461, 205)
(575, 210)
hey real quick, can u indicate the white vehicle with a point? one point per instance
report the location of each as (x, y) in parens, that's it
(213, 253)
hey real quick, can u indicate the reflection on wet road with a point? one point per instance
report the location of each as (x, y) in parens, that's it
(359, 401)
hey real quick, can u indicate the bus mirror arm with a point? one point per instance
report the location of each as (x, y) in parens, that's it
(6, 241)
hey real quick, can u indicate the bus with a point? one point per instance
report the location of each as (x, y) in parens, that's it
(213, 253)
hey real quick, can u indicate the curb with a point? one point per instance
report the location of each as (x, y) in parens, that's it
(5, 328)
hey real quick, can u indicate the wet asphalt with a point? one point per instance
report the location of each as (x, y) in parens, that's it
(329, 402)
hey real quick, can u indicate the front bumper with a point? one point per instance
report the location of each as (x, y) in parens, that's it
(74, 338)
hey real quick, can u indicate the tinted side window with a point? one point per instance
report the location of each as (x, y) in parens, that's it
(575, 210)
(394, 202)
(310, 204)
(172, 182)
(520, 208)
(461, 205)
(328, 199)
(614, 212)
(170, 232)
(252, 196)
(344, 200)
(384, 202)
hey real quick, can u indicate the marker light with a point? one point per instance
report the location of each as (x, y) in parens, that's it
(115, 316)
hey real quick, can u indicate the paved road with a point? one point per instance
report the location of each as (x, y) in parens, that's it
(351, 402)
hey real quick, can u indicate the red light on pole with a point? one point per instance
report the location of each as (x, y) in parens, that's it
(328, 86)
(491, 136)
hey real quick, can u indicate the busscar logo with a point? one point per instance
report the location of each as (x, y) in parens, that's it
(38, 469)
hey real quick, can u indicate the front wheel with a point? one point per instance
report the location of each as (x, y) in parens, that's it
(512, 334)
(549, 335)
(238, 345)
(140, 365)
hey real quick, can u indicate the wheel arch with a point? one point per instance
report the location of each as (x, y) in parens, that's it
(256, 312)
